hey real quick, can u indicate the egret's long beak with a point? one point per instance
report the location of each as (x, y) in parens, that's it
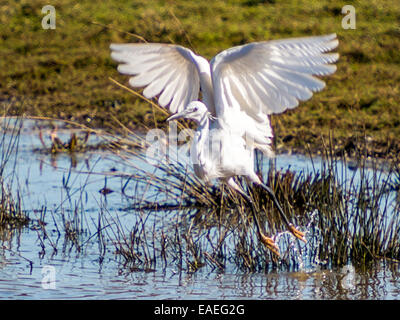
(179, 115)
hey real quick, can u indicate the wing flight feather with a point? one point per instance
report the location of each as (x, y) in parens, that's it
(165, 70)
(262, 78)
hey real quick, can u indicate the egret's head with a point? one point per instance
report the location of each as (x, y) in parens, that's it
(195, 110)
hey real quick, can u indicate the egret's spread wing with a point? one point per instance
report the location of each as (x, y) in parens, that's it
(272, 76)
(261, 78)
(167, 71)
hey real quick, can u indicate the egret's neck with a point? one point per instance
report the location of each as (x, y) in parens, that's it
(204, 121)
(207, 91)
(201, 135)
(203, 68)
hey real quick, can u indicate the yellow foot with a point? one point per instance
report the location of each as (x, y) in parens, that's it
(298, 234)
(270, 244)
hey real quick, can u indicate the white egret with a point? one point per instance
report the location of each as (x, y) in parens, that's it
(240, 88)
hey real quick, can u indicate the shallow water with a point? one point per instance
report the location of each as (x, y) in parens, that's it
(37, 266)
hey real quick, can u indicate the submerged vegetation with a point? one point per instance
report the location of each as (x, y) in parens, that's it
(11, 214)
(348, 212)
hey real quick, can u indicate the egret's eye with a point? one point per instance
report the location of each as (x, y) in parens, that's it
(195, 109)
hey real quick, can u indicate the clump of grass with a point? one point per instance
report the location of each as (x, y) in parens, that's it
(78, 141)
(348, 215)
(72, 145)
(11, 213)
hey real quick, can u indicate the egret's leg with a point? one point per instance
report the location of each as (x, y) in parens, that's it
(267, 241)
(298, 234)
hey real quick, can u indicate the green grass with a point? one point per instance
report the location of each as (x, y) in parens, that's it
(64, 73)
